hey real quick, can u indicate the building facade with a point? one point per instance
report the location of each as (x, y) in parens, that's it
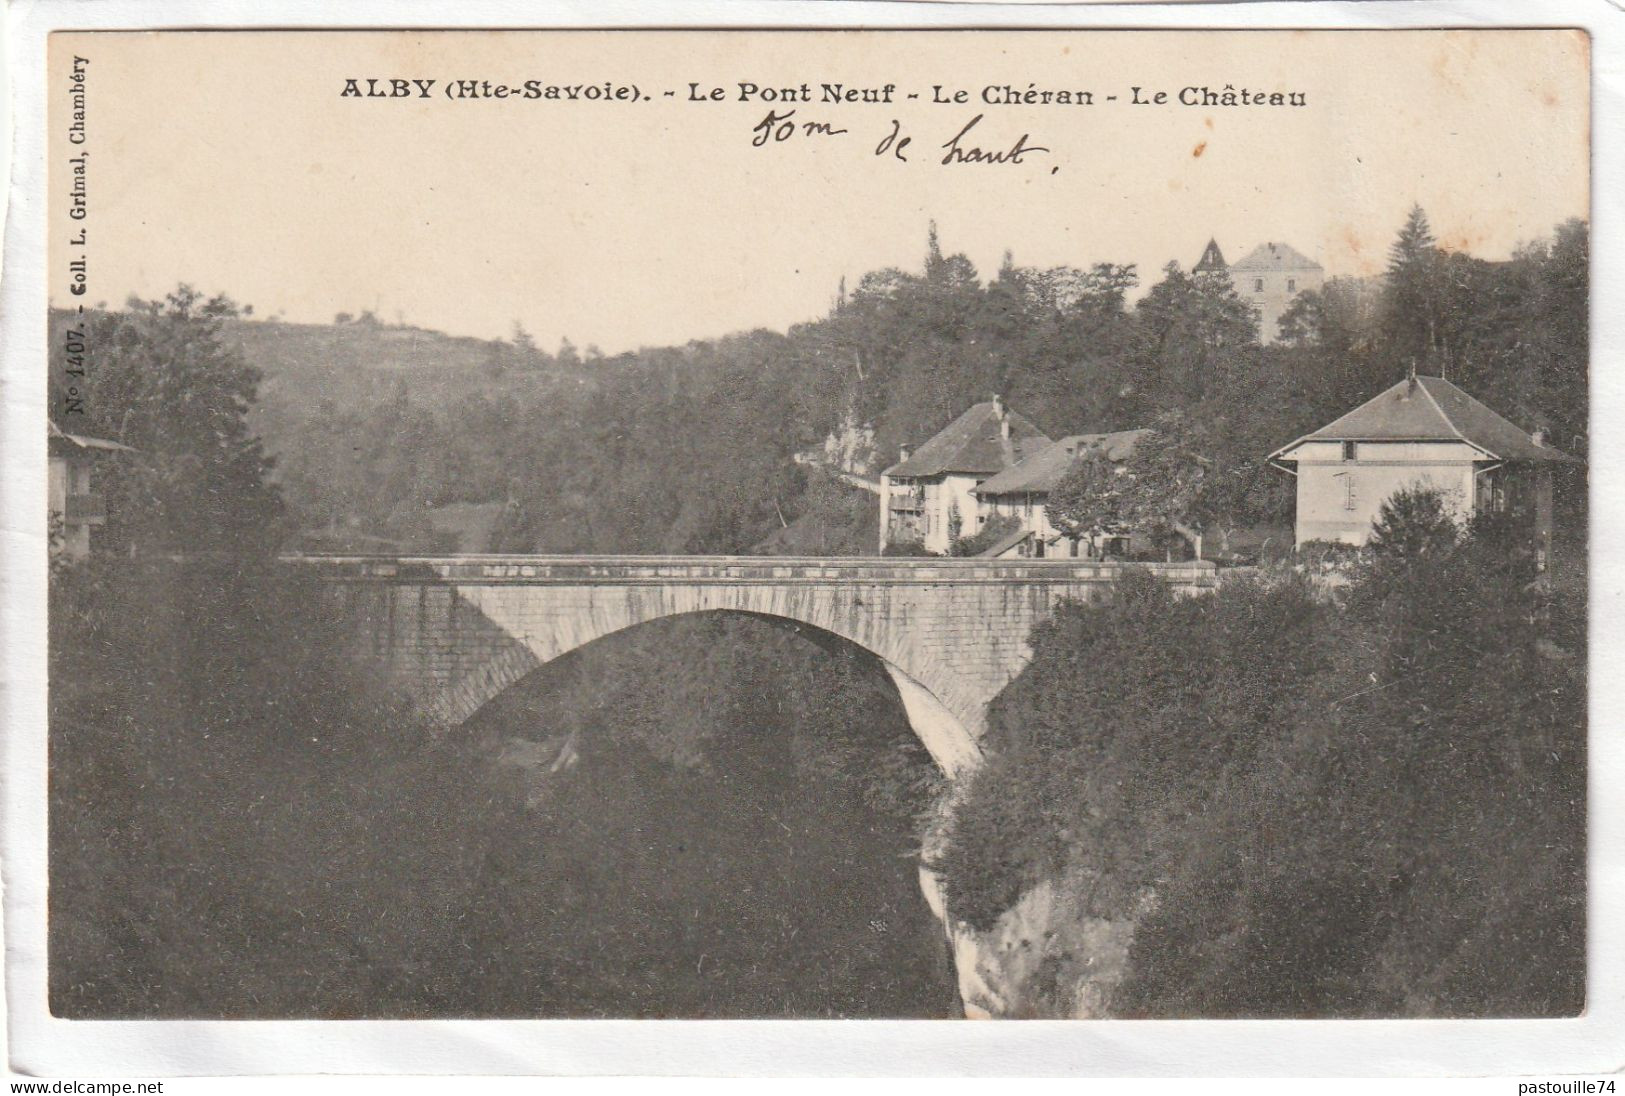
(991, 463)
(929, 495)
(1422, 432)
(1269, 278)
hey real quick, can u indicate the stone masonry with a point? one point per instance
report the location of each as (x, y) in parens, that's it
(455, 632)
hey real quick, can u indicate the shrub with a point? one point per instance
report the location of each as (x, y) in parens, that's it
(910, 547)
(1372, 809)
(987, 536)
(1414, 522)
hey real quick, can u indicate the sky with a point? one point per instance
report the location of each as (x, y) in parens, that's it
(235, 162)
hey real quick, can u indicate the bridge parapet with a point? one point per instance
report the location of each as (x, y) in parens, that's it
(772, 570)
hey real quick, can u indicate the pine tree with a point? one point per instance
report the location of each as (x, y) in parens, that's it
(1411, 298)
(934, 262)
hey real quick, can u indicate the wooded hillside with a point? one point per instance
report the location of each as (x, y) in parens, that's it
(688, 449)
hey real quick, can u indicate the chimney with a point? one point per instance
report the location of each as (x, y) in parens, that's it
(902, 453)
(1411, 386)
(998, 406)
(1538, 438)
(1004, 428)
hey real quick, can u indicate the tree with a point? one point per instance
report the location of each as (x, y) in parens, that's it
(1102, 754)
(1412, 292)
(167, 384)
(933, 252)
(1165, 486)
(1189, 324)
(992, 531)
(1304, 319)
(1405, 759)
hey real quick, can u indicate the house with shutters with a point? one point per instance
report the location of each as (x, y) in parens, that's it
(1422, 432)
(929, 494)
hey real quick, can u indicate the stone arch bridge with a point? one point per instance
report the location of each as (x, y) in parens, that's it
(457, 631)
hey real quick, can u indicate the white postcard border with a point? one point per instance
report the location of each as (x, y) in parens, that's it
(43, 1045)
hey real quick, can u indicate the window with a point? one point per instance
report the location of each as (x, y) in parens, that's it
(1351, 495)
(1258, 285)
(1292, 285)
(1348, 450)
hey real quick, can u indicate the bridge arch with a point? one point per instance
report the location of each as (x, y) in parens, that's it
(945, 735)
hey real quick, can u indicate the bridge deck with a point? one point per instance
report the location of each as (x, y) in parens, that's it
(556, 570)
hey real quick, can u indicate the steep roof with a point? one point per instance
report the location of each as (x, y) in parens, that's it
(1044, 469)
(975, 443)
(1432, 409)
(1005, 543)
(1273, 256)
(1212, 258)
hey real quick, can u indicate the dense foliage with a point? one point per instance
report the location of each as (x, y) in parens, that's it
(1513, 333)
(159, 377)
(1373, 805)
(244, 822)
(244, 826)
(1368, 804)
(688, 449)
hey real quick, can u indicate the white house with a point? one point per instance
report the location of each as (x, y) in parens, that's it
(1022, 492)
(1424, 431)
(929, 494)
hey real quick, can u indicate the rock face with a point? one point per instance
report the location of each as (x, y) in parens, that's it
(1044, 959)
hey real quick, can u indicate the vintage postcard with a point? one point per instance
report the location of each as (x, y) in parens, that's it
(1062, 522)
